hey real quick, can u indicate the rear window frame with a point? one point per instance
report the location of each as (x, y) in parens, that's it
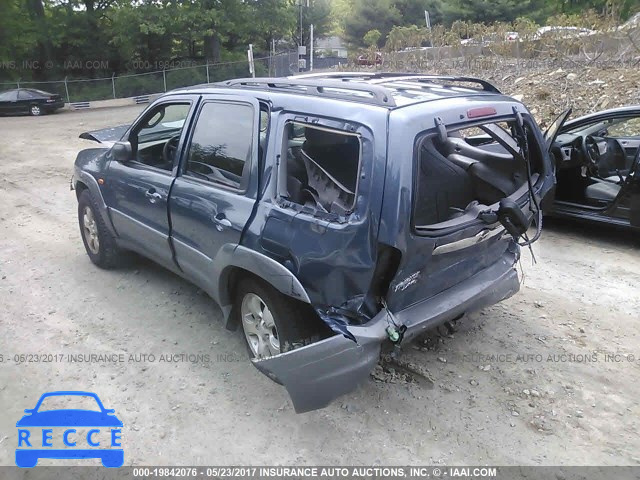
(424, 135)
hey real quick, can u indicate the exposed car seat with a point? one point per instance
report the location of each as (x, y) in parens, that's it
(337, 154)
(602, 191)
(494, 174)
(607, 191)
(296, 174)
(331, 161)
(442, 187)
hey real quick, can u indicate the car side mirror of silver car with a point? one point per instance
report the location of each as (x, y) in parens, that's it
(122, 152)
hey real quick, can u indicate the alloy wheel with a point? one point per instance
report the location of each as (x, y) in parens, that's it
(90, 230)
(259, 327)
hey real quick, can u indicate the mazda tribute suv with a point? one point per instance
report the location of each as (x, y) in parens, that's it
(329, 215)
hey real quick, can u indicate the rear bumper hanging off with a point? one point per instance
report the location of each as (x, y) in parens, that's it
(317, 374)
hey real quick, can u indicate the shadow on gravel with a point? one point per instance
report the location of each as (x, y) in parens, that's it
(133, 264)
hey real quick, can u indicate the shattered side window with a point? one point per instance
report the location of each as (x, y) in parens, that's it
(322, 168)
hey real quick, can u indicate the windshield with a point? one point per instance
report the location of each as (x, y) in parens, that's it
(599, 126)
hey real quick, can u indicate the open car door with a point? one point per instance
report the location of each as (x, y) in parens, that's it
(631, 187)
(554, 129)
(550, 137)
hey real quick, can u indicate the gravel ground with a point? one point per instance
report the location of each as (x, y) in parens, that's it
(524, 382)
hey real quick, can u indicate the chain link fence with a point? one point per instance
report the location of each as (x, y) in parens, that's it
(149, 83)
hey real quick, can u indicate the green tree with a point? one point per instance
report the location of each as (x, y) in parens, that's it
(489, 11)
(317, 13)
(18, 37)
(403, 37)
(412, 11)
(368, 15)
(273, 20)
(372, 37)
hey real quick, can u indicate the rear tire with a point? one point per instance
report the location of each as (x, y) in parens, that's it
(272, 323)
(98, 241)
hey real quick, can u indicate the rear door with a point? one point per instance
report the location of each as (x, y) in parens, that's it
(215, 191)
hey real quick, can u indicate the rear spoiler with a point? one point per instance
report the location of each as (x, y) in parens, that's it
(106, 135)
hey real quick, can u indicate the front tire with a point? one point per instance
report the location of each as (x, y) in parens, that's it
(98, 241)
(272, 323)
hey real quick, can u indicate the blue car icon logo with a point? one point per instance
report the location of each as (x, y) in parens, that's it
(36, 433)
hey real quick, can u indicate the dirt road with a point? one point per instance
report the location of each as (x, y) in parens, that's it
(524, 382)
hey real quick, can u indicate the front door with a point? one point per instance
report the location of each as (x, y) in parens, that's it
(215, 190)
(137, 191)
(9, 102)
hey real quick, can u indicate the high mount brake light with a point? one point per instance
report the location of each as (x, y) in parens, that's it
(481, 112)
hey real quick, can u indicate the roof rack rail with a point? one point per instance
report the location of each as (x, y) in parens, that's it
(381, 77)
(419, 77)
(334, 75)
(375, 94)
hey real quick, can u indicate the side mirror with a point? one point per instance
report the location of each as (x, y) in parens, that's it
(122, 151)
(28, 410)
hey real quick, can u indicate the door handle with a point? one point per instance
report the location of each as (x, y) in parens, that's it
(152, 195)
(221, 221)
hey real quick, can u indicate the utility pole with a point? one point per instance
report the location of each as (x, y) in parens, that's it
(301, 43)
(302, 50)
(252, 69)
(311, 48)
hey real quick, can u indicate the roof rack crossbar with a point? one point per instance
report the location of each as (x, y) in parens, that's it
(418, 77)
(379, 95)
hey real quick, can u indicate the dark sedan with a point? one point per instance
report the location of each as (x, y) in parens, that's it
(29, 100)
(598, 168)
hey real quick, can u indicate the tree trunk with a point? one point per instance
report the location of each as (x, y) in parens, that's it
(212, 47)
(36, 12)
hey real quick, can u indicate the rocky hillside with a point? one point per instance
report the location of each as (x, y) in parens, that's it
(548, 93)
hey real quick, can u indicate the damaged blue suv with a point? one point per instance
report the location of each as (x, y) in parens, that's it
(329, 215)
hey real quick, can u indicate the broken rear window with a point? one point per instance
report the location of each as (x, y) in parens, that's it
(478, 164)
(322, 168)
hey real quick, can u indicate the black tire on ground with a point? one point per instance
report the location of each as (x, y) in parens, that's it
(296, 323)
(106, 253)
(35, 110)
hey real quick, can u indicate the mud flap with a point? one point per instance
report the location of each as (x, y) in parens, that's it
(317, 374)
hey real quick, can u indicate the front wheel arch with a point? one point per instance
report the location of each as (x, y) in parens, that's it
(79, 187)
